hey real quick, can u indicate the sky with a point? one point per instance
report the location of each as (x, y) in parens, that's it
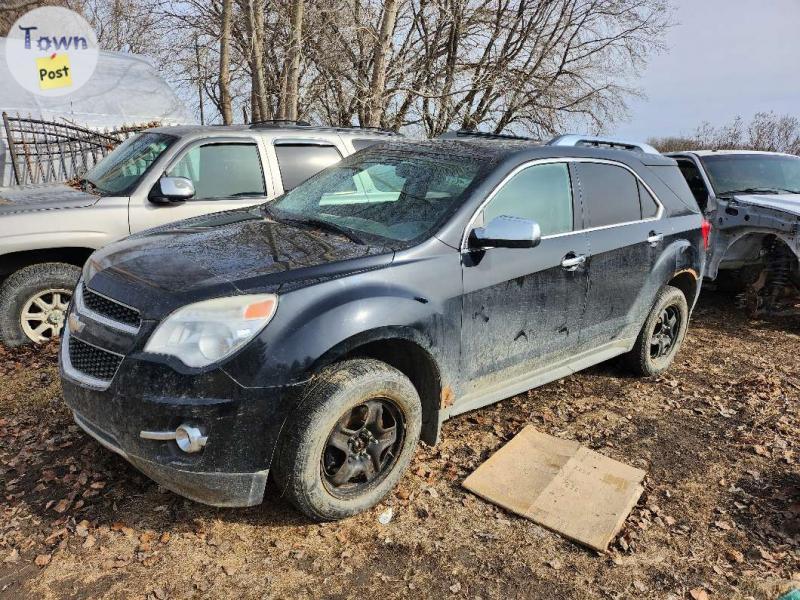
(724, 58)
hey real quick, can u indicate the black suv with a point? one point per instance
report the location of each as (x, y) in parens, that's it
(319, 336)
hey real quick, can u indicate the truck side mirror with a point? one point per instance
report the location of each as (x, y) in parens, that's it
(171, 190)
(506, 232)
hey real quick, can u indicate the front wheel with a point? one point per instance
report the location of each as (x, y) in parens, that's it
(33, 303)
(350, 440)
(662, 334)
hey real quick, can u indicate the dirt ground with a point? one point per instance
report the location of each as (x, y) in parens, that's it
(720, 516)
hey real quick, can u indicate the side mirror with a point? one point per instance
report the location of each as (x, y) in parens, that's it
(170, 190)
(506, 232)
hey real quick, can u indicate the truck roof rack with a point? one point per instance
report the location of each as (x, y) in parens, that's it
(573, 139)
(279, 123)
(288, 124)
(452, 135)
(368, 128)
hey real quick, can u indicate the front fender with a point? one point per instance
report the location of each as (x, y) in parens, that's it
(321, 326)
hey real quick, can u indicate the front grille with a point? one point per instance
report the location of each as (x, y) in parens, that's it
(111, 309)
(92, 361)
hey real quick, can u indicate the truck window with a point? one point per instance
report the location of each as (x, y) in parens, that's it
(298, 162)
(222, 171)
(361, 143)
(610, 194)
(693, 177)
(540, 193)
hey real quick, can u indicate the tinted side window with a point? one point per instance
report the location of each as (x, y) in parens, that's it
(541, 193)
(298, 162)
(610, 194)
(693, 177)
(647, 202)
(222, 170)
(360, 144)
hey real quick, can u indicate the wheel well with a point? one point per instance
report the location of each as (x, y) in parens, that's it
(14, 261)
(419, 366)
(686, 281)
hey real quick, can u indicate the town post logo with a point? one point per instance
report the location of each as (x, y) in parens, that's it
(51, 51)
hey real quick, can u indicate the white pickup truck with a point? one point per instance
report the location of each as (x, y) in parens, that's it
(159, 176)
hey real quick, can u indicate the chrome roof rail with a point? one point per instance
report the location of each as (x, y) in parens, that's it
(572, 139)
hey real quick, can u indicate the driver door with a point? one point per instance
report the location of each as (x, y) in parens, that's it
(226, 175)
(523, 307)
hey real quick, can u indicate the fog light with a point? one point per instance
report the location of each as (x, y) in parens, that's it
(190, 439)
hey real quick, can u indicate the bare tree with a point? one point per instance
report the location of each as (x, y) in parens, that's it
(526, 66)
(767, 131)
(225, 62)
(377, 85)
(293, 71)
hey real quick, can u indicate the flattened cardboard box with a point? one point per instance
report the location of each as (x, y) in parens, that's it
(561, 485)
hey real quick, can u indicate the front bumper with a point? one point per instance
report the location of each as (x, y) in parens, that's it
(242, 424)
(214, 488)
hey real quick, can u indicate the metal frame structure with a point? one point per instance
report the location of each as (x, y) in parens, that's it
(52, 152)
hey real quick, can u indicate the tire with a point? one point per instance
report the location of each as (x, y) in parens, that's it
(311, 455)
(19, 291)
(645, 359)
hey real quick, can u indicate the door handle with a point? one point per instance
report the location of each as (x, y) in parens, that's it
(572, 261)
(654, 239)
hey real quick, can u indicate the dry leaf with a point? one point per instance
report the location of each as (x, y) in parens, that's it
(698, 594)
(43, 560)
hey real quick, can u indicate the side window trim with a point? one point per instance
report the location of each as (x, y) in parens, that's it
(181, 152)
(541, 161)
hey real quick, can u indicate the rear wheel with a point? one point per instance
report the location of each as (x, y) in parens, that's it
(350, 441)
(662, 334)
(33, 303)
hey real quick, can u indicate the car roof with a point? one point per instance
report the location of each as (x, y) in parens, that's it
(727, 152)
(512, 150)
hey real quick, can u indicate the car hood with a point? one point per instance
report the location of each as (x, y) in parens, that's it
(789, 203)
(229, 253)
(29, 198)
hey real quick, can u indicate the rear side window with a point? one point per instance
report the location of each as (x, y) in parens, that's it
(647, 202)
(540, 193)
(693, 177)
(360, 144)
(610, 194)
(222, 171)
(298, 162)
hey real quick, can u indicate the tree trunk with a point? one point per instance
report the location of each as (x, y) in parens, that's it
(378, 81)
(225, 63)
(255, 10)
(293, 77)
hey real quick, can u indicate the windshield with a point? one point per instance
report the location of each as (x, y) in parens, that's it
(122, 169)
(753, 173)
(395, 194)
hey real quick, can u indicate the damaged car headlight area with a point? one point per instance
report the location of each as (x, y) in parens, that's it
(207, 332)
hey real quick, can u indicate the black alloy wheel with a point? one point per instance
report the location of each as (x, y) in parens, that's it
(363, 447)
(666, 332)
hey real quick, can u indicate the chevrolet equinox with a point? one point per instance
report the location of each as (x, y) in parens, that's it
(319, 336)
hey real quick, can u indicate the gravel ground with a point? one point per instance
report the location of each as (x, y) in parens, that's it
(720, 516)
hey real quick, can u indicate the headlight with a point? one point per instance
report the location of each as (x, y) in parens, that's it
(206, 332)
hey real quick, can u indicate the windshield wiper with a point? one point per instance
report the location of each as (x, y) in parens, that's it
(312, 222)
(87, 185)
(756, 190)
(327, 225)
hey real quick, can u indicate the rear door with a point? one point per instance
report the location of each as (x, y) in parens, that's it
(625, 235)
(523, 307)
(226, 174)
